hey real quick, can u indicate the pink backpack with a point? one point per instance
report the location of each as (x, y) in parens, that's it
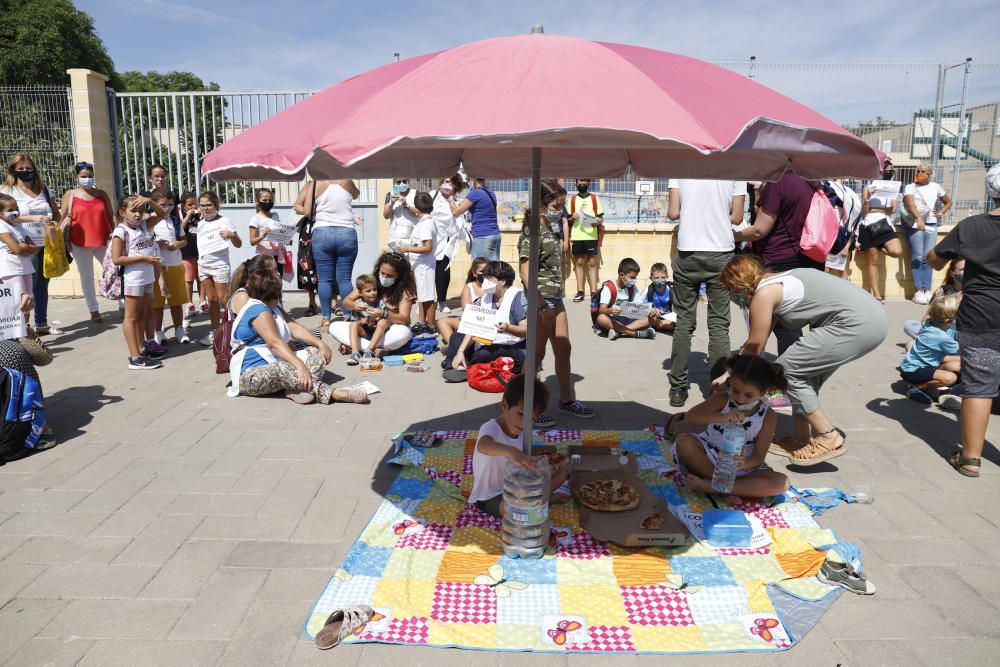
(112, 275)
(819, 231)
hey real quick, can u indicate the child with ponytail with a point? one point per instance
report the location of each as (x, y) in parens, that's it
(750, 378)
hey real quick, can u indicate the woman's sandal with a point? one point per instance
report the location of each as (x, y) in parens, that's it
(957, 461)
(310, 311)
(818, 451)
(341, 624)
(354, 396)
(324, 324)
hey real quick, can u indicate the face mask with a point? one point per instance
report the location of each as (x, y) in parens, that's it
(209, 213)
(266, 205)
(25, 175)
(959, 277)
(386, 282)
(86, 181)
(628, 282)
(553, 216)
(480, 278)
(742, 407)
(399, 188)
(12, 216)
(447, 189)
(739, 299)
(582, 189)
(659, 284)
(489, 287)
(888, 175)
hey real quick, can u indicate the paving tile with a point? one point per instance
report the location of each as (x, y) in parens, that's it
(135, 515)
(190, 484)
(96, 474)
(158, 543)
(115, 619)
(113, 494)
(187, 571)
(52, 523)
(21, 620)
(90, 580)
(51, 652)
(216, 504)
(954, 599)
(924, 551)
(280, 554)
(153, 653)
(54, 550)
(14, 577)
(300, 584)
(871, 618)
(221, 605)
(37, 500)
(267, 635)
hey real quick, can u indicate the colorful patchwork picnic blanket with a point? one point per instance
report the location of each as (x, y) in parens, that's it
(432, 568)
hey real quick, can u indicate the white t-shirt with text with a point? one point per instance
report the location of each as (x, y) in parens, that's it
(488, 471)
(137, 242)
(214, 261)
(424, 230)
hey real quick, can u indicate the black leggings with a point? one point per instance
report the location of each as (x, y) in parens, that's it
(442, 277)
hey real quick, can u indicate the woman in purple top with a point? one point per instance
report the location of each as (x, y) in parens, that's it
(482, 202)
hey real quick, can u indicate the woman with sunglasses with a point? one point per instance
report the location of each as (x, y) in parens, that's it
(87, 211)
(38, 212)
(919, 200)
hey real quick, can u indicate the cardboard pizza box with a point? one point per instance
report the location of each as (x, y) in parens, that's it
(625, 528)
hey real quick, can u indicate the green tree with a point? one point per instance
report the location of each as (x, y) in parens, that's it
(171, 82)
(43, 38)
(870, 126)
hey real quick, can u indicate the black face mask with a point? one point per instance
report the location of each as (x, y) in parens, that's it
(582, 189)
(479, 278)
(888, 175)
(266, 205)
(25, 175)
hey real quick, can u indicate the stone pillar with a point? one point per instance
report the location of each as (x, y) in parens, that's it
(92, 123)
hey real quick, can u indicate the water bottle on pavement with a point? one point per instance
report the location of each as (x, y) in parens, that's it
(733, 439)
(524, 530)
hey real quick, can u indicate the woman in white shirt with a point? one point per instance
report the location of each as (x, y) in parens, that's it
(38, 212)
(446, 226)
(334, 238)
(919, 199)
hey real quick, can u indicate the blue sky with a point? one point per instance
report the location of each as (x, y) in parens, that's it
(295, 44)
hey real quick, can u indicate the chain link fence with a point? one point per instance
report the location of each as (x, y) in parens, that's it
(38, 121)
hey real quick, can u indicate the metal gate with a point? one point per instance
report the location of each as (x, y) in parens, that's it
(176, 130)
(38, 121)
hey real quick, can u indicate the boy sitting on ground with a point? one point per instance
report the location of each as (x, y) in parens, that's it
(661, 315)
(933, 363)
(370, 320)
(611, 298)
(502, 439)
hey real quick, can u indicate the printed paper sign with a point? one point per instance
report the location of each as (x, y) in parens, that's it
(884, 192)
(586, 221)
(11, 317)
(281, 232)
(479, 322)
(836, 262)
(34, 231)
(635, 311)
(209, 239)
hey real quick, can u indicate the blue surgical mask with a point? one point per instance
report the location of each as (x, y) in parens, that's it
(399, 188)
(628, 282)
(386, 282)
(739, 299)
(86, 181)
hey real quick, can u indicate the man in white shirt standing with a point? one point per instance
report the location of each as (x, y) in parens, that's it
(707, 211)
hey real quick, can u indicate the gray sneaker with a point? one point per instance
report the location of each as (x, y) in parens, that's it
(845, 576)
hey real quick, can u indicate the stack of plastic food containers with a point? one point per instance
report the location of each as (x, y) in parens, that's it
(525, 525)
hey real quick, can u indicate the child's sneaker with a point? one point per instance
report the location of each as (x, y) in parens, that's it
(353, 359)
(191, 311)
(950, 402)
(204, 307)
(153, 351)
(613, 335)
(180, 335)
(142, 363)
(648, 333)
(544, 421)
(159, 338)
(845, 576)
(918, 395)
(207, 340)
(578, 297)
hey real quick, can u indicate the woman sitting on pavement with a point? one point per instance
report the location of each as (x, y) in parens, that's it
(511, 306)
(397, 290)
(237, 297)
(472, 293)
(263, 362)
(845, 323)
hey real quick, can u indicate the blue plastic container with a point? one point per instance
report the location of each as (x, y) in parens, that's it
(727, 528)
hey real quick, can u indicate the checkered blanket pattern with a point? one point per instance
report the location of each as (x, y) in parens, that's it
(417, 563)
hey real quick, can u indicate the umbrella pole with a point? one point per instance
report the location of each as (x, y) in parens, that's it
(530, 365)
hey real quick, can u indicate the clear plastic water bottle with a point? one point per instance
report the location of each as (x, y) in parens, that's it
(524, 530)
(733, 439)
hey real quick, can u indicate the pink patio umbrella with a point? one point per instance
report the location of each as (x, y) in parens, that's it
(592, 108)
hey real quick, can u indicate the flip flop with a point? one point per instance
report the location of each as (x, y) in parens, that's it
(956, 461)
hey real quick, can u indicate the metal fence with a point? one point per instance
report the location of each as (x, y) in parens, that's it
(176, 130)
(38, 120)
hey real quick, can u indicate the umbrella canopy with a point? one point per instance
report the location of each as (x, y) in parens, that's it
(593, 107)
